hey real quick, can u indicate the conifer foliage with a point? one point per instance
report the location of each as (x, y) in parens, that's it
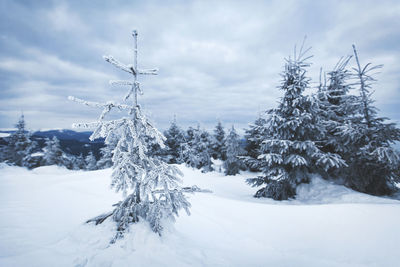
(218, 144)
(53, 155)
(20, 146)
(174, 144)
(289, 152)
(150, 185)
(254, 137)
(373, 162)
(233, 163)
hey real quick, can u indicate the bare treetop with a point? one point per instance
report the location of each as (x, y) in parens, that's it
(132, 69)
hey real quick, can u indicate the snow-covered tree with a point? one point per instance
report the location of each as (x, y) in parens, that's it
(53, 155)
(175, 138)
(289, 151)
(197, 152)
(218, 143)
(254, 137)
(91, 163)
(150, 186)
(105, 160)
(336, 108)
(78, 163)
(373, 162)
(233, 163)
(20, 146)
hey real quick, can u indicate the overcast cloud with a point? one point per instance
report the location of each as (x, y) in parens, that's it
(217, 60)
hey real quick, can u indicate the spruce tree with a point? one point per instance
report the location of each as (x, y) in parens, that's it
(197, 152)
(373, 162)
(53, 155)
(218, 143)
(90, 161)
(174, 140)
(150, 186)
(337, 107)
(254, 137)
(233, 163)
(289, 151)
(105, 160)
(20, 146)
(79, 162)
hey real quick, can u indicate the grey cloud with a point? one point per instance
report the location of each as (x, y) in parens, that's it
(217, 60)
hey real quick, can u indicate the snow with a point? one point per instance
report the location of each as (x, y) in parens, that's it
(43, 213)
(2, 135)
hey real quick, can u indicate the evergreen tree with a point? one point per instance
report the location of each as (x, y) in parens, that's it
(197, 152)
(79, 162)
(218, 144)
(289, 152)
(105, 160)
(150, 185)
(373, 162)
(175, 137)
(233, 163)
(53, 155)
(106, 152)
(91, 163)
(337, 108)
(254, 137)
(20, 146)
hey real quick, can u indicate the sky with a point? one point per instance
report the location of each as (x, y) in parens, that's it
(217, 60)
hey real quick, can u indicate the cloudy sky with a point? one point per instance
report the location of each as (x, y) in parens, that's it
(217, 60)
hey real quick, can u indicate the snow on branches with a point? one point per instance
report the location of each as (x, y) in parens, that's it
(151, 187)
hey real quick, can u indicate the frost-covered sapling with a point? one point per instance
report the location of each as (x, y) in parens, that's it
(150, 186)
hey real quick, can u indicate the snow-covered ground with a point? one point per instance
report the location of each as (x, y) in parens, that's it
(42, 214)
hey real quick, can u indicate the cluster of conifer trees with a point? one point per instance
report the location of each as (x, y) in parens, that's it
(335, 132)
(21, 150)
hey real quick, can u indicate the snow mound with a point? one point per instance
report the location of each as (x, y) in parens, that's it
(320, 191)
(43, 213)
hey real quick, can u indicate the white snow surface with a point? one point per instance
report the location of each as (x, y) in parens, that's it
(42, 215)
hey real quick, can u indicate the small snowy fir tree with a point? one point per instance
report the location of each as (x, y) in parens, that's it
(218, 143)
(53, 155)
(290, 153)
(254, 137)
(373, 162)
(91, 163)
(105, 160)
(197, 152)
(78, 162)
(20, 146)
(233, 163)
(175, 138)
(150, 186)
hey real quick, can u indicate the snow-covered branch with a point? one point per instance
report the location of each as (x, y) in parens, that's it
(116, 63)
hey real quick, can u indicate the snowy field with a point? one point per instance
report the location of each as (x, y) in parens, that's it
(42, 214)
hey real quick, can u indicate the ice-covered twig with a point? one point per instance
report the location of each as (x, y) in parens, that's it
(85, 125)
(148, 72)
(120, 65)
(121, 82)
